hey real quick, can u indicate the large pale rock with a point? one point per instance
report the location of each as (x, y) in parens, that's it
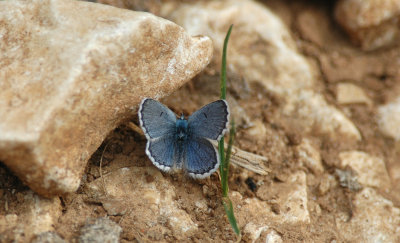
(374, 219)
(371, 170)
(389, 119)
(147, 198)
(370, 23)
(71, 71)
(36, 215)
(262, 50)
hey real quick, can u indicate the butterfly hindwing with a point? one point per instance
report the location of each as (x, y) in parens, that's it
(201, 158)
(210, 121)
(161, 152)
(156, 119)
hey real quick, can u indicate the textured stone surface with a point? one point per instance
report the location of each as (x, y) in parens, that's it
(370, 23)
(36, 215)
(371, 170)
(252, 232)
(101, 230)
(261, 57)
(374, 219)
(389, 119)
(309, 156)
(48, 237)
(273, 237)
(71, 71)
(348, 93)
(291, 196)
(146, 195)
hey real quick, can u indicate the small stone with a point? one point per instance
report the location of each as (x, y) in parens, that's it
(253, 231)
(201, 205)
(273, 237)
(309, 157)
(374, 219)
(71, 71)
(294, 204)
(147, 201)
(371, 24)
(258, 130)
(317, 209)
(36, 215)
(208, 192)
(275, 208)
(101, 230)
(294, 139)
(371, 170)
(156, 233)
(348, 179)
(114, 207)
(48, 237)
(288, 200)
(348, 93)
(389, 119)
(242, 119)
(326, 183)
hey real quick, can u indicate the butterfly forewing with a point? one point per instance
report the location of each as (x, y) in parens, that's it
(156, 119)
(210, 121)
(201, 159)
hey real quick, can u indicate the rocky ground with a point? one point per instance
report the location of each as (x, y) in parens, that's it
(315, 91)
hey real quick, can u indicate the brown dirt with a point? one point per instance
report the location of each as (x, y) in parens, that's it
(327, 47)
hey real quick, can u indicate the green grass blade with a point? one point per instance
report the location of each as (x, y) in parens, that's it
(224, 158)
(225, 169)
(231, 216)
(221, 149)
(223, 66)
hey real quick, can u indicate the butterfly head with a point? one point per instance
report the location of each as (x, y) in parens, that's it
(181, 128)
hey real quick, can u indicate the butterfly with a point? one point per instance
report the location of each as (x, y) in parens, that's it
(176, 143)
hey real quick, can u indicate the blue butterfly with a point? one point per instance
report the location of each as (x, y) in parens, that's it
(177, 143)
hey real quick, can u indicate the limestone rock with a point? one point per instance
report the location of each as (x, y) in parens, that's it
(261, 50)
(48, 237)
(327, 182)
(71, 71)
(348, 93)
(291, 196)
(371, 171)
(273, 237)
(370, 23)
(101, 230)
(36, 215)
(253, 232)
(147, 196)
(294, 203)
(389, 119)
(309, 157)
(258, 130)
(374, 219)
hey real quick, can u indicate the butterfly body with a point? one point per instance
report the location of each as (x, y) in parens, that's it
(181, 129)
(176, 143)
